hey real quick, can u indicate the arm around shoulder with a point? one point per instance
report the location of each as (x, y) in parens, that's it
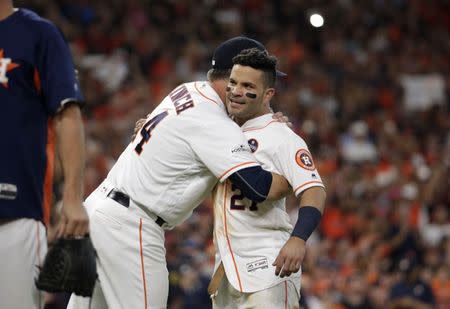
(260, 185)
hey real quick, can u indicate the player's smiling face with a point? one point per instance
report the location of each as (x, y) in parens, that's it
(247, 95)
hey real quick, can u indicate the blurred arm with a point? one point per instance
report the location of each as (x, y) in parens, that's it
(71, 148)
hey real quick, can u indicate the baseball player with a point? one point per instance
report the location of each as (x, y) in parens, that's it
(187, 144)
(38, 90)
(258, 252)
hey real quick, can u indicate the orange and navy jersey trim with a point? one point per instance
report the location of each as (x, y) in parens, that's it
(236, 166)
(316, 182)
(9, 66)
(37, 80)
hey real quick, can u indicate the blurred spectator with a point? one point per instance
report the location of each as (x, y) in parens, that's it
(111, 71)
(422, 91)
(435, 227)
(356, 146)
(411, 290)
(192, 289)
(356, 294)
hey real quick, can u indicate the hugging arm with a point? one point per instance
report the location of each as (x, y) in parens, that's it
(260, 185)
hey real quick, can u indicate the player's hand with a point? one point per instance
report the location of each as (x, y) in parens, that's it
(138, 127)
(74, 221)
(290, 257)
(282, 118)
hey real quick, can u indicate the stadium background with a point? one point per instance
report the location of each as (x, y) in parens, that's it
(368, 91)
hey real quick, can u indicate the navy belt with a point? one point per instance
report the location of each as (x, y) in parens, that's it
(124, 200)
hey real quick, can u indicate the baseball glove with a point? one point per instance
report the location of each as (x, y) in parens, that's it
(69, 266)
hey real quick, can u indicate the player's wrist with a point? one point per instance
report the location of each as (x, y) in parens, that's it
(297, 239)
(71, 199)
(308, 219)
(73, 192)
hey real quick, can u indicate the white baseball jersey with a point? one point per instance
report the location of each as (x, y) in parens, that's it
(187, 144)
(248, 236)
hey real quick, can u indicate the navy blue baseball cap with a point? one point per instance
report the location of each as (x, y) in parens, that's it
(226, 51)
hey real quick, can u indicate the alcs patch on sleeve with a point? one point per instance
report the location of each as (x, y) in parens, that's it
(304, 159)
(253, 144)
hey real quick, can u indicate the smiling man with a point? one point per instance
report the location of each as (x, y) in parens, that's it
(257, 248)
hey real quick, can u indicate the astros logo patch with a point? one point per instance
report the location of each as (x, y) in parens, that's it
(253, 143)
(304, 159)
(6, 65)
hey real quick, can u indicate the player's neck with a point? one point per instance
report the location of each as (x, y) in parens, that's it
(219, 87)
(240, 121)
(6, 9)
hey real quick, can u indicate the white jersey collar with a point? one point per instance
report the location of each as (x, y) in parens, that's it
(258, 122)
(205, 90)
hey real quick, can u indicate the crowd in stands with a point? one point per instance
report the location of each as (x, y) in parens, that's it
(369, 92)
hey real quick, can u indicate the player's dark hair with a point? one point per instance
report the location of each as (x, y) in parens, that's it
(218, 74)
(259, 60)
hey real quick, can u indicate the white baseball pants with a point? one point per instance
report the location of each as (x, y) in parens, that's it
(131, 261)
(284, 295)
(23, 245)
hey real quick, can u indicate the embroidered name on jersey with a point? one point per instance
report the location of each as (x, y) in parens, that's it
(181, 99)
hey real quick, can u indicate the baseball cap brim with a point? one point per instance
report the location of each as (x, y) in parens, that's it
(281, 74)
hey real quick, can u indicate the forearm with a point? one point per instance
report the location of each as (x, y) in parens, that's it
(279, 188)
(312, 203)
(315, 197)
(71, 149)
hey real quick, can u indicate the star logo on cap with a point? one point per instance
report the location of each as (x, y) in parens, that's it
(6, 65)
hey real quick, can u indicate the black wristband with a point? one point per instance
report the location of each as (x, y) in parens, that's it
(308, 219)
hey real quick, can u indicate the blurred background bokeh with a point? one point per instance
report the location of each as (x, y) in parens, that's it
(368, 91)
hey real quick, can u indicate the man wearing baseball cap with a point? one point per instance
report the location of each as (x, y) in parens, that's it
(187, 144)
(226, 51)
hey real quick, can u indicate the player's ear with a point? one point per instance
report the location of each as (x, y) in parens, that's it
(268, 94)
